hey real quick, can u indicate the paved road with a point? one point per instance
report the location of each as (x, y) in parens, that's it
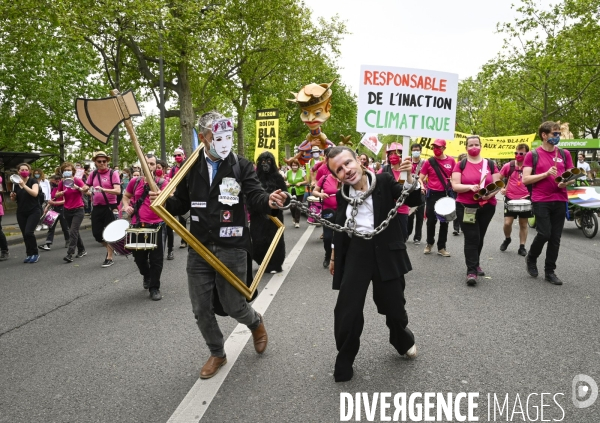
(80, 343)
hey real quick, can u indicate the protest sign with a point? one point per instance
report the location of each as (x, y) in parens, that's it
(372, 143)
(491, 147)
(403, 101)
(579, 144)
(267, 132)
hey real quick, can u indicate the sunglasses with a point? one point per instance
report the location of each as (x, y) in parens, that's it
(556, 134)
(519, 154)
(177, 155)
(101, 161)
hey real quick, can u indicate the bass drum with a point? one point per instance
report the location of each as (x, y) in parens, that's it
(114, 235)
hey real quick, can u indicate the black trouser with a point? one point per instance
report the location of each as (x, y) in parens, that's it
(360, 269)
(403, 219)
(456, 225)
(150, 262)
(183, 221)
(27, 224)
(170, 237)
(432, 220)
(419, 216)
(549, 223)
(102, 216)
(329, 215)
(63, 225)
(3, 243)
(296, 210)
(474, 233)
(74, 218)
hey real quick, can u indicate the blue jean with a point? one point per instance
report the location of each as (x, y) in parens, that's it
(202, 280)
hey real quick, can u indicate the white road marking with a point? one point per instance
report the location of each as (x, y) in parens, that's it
(198, 399)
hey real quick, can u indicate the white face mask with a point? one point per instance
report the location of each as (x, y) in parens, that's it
(316, 155)
(222, 139)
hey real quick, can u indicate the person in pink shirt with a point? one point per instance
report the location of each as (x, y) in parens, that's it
(136, 203)
(326, 189)
(416, 219)
(515, 189)
(549, 199)
(161, 172)
(73, 208)
(468, 177)
(179, 156)
(394, 159)
(437, 171)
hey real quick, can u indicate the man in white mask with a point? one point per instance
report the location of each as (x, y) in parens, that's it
(215, 191)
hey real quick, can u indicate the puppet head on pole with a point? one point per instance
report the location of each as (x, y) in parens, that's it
(315, 103)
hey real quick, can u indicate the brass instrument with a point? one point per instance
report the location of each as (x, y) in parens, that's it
(570, 175)
(492, 188)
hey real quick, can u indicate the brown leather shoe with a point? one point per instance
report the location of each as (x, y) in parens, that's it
(212, 366)
(260, 337)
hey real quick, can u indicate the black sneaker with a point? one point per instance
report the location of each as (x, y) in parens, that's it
(504, 245)
(146, 281)
(155, 295)
(170, 255)
(81, 254)
(326, 262)
(68, 258)
(471, 279)
(553, 279)
(522, 251)
(531, 267)
(107, 263)
(67, 244)
(3, 255)
(45, 247)
(455, 233)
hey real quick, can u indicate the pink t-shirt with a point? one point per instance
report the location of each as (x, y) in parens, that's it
(471, 175)
(446, 165)
(329, 185)
(515, 188)
(73, 197)
(547, 189)
(322, 170)
(102, 179)
(403, 209)
(145, 212)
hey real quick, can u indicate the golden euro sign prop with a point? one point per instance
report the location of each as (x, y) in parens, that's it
(100, 117)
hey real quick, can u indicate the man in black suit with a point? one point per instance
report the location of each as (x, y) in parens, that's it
(356, 261)
(215, 191)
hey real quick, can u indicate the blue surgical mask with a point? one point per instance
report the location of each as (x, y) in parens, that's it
(416, 154)
(36, 175)
(67, 174)
(554, 140)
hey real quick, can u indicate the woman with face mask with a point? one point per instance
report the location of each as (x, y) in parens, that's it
(295, 180)
(474, 214)
(58, 206)
(394, 159)
(73, 209)
(44, 183)
(29, 210)
(160, 173)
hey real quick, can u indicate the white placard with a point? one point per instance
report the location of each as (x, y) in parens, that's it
(372, 143)
(404, 101)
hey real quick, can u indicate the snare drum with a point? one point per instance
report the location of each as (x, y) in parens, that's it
(445, 209)
(114, 235)
(519, 206)
(314, 206)
(50, 218)
(141, 238)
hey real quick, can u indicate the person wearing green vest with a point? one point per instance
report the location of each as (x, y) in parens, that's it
(296, 182)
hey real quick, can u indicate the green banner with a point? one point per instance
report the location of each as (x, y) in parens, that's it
(583, 144)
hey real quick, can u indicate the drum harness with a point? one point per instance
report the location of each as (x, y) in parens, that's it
(140, 201)
(349, 226)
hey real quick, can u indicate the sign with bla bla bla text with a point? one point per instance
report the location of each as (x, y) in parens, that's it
(267, 132)
(404, 101)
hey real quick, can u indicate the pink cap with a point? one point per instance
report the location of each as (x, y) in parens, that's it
(394, 146)
(440, 142)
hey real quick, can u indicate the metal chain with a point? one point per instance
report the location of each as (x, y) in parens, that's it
(352, 230)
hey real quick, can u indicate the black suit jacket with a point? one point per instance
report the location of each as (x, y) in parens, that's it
(392, 259)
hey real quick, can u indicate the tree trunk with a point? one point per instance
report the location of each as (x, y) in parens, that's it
(241, 110)
(61, 137)
(187, 117)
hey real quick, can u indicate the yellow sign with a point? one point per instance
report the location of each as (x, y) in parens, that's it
(491, 147)
(267, 133)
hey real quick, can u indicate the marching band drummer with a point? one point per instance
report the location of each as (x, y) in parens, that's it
(549, 199)
(515, 189)
(469, 176)
(215, 191)
(149, 262)
(356, 261)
